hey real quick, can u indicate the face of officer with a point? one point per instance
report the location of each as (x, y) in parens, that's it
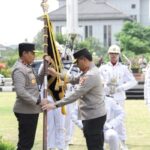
(114, 57)
(28, 57)
(83, 63)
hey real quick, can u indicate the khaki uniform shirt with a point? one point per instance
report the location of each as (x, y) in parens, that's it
(89, 93)
(26, 87)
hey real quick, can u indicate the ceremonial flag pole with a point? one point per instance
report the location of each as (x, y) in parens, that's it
(45, 85)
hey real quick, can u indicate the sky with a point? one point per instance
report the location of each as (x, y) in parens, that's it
(18, 20)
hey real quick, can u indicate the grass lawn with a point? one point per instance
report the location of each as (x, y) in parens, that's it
(137, 122)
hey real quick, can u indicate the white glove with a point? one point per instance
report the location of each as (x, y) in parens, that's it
(77, 122)
(107, 126)
(106, 90)
(119, 89)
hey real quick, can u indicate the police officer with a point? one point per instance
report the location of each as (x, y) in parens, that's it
(117, 78)
(27, 106)
(91, 100)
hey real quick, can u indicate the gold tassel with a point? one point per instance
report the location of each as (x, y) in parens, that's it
(61, 94)
(57, 85)
(63, 110)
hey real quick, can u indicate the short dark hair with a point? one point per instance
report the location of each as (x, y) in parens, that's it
(25, 47)
(83, 53)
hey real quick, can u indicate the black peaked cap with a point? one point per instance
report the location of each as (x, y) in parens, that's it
(26, 47)
(82, 52)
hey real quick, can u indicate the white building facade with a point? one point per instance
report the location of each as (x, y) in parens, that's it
(139, 10)
(102, 19)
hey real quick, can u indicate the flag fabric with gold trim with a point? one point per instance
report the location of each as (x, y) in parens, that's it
(55, 85)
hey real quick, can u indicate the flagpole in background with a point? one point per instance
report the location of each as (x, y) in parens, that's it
(72, 20)
(44, 5)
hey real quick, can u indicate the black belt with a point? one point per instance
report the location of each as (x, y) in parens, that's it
(110, 96)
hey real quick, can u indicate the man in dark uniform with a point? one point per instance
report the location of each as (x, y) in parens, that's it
(89, 92)
(27, 106)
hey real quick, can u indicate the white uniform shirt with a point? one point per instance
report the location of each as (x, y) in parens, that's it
(120, 77)
(147, 85)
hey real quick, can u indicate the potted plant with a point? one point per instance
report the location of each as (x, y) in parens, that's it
(135, 67)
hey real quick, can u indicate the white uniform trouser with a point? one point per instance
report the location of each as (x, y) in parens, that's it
(122, 128)
(69, 125)
(112, 138)
(56, 128)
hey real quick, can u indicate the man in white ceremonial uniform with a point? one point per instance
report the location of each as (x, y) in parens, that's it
(55, 126)
(147, 86)
(117, 78)
(69, 125)
(56, 130)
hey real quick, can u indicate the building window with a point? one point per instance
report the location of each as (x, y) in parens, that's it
(107, 35)
(88, 31)
(58, 29)
(134, 17)
(133, 6)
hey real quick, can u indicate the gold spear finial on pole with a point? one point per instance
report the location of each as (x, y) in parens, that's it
(45, 6)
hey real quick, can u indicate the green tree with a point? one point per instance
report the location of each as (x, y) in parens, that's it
(62, 39)
(9, 58)
(38, 39)
(93, 45)
(135, 37)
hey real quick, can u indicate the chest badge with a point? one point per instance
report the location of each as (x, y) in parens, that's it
(33, 81)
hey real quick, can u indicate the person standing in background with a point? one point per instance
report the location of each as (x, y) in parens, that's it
(74, 71)
(117, 78)
(55, 119)
(56, 128)
(27, 106)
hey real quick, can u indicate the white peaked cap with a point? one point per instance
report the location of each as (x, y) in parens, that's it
(114, 49)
